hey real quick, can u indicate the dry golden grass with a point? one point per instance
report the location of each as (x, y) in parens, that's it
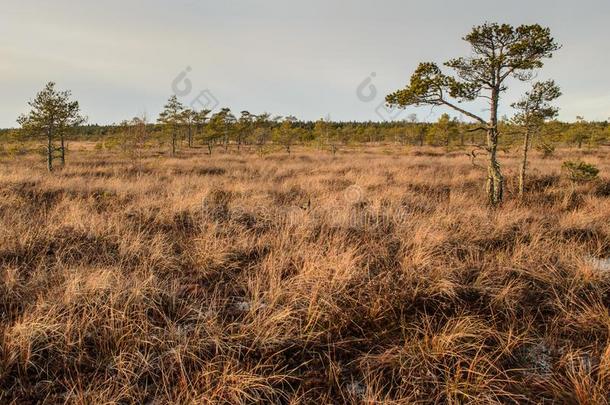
(372, 277)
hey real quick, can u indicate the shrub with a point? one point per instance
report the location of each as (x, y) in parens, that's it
(580, 171)
(546, 149)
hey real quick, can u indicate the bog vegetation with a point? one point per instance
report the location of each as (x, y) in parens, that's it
(213, 257)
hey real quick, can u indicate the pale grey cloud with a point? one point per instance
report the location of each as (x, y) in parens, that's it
(302, 58)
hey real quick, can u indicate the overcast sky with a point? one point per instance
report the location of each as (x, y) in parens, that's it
(310, 59)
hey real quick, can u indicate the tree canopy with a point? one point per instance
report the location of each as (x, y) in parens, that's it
(52, 111)
(499, 51)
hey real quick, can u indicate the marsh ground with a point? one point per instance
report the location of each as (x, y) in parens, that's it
(376, 276)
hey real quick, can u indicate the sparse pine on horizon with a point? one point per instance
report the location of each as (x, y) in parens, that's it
(499, 51)
(53, 114)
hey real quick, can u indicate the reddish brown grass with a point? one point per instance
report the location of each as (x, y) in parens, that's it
(365, 278)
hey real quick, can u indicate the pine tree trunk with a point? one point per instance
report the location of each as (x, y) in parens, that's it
(174, 144)
(495, 180)
(526, 146)
(49, 151)
(63, 152)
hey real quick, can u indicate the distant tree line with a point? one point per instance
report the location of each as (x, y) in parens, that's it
(222, 129)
